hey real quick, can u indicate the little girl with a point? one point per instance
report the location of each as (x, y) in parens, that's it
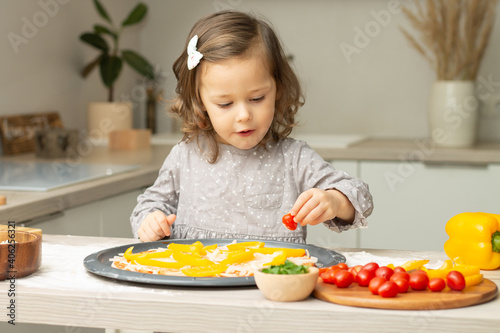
(235, 173)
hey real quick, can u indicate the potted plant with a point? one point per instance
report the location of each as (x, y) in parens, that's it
(103, 117)
(453, 37)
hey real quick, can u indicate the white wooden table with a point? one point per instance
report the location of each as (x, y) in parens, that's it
(63, 293)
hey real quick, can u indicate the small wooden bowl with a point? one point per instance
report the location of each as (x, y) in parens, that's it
(287, 287)
(22, 258)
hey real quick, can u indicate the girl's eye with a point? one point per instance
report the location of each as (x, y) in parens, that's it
(224, 105)
(258, 99)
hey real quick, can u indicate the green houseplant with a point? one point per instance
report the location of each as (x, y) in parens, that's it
(105, 117)
(111, 57)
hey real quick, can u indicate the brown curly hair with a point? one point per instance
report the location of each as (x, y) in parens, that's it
(225, 35)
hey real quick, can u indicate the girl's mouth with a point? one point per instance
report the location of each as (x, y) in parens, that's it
(246, 132)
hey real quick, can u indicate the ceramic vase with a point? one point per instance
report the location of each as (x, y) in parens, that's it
(105, 117)
(453, 114)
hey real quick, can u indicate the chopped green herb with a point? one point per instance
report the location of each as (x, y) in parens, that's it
(287, 268)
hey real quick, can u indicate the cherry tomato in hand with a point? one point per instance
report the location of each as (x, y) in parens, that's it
(388, 289)
(418, 280)
(375, 283)
(289, 222)
(343, 278)
(364, 276)
(455, 280)
(403, 284)
(436, 284)
(384, 271)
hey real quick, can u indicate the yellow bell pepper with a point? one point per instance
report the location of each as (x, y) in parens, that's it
(414, 264)
(191, 260)
(205, 271)
(279, 259)
(245, 245)
(190, 248)
(148, 255)
(473, 280)
(466, 270)
(158, 263)
(289, 252)
(474, 237)
(238, 257)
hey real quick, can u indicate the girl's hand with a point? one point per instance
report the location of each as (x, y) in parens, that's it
(155, 226)
(315, 206)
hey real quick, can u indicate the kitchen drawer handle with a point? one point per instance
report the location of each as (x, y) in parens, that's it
(441, 164)
(36, 220)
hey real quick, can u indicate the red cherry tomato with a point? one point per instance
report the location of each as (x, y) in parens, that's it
(399, 269)
(400, 275)
(372, 266)
(403, 284)
(354, 270)
(343, 278)
(375, 283)
(384, 271)
(418, 280)
(342, 265)
(364, 276)
(328, 276)
(323, 269)
(289, 222)
(455, 280)
(436, 284)
(388, 289)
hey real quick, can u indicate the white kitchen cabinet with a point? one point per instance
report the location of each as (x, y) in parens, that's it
(109, 217)
(413, 201)
(320, 235)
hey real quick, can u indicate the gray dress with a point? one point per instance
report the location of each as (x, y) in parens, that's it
(245, 193)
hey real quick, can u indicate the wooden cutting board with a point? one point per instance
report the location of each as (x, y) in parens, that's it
(412, 300)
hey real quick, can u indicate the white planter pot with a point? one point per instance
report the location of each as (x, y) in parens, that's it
(105, 117)
(453, 113)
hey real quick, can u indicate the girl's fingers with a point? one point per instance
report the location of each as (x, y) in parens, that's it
(298, 210)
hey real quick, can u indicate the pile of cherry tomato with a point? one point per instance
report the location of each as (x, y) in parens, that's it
(388, 282)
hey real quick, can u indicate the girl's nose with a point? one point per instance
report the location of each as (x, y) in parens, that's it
(244, 113)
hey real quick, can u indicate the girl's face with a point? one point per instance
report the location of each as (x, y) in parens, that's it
(239, 96)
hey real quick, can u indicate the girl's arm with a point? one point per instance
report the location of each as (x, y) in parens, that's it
(328, 195)
(155, 207)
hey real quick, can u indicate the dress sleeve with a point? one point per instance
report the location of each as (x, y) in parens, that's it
(163, 195)
(312, 171)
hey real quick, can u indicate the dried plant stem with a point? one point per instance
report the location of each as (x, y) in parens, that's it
(453, 35)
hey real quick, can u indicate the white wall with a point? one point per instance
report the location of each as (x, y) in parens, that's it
(40, 69)
(381, 91)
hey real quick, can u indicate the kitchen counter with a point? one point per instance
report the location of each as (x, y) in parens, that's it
(63, 293)
(25, 206)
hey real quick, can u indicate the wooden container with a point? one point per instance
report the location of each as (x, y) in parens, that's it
(25, 229)
(130, 139)
(287, 287)
(22, 258)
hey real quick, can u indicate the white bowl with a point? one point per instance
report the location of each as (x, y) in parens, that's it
(287, 287)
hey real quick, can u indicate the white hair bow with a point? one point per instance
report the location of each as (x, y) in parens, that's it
(194, 56)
